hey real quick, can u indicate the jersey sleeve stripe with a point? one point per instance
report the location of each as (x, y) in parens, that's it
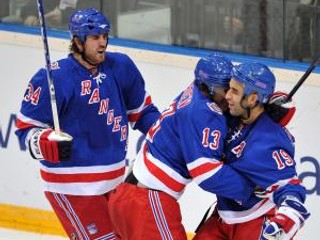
(204, 168)
(271, 189)
(23, 125)
(24, 122)
(135, 114)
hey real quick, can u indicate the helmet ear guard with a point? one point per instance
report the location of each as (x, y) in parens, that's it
(88, 22)
(213, 71)
(256, 78)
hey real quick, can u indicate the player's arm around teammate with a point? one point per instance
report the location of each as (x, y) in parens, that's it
(186, 143)
(263, 151)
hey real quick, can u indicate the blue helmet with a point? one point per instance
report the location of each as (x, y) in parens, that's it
(214, 71)
(88, 22)
(257, 78)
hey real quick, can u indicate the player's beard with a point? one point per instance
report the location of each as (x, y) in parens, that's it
(101, 55)
(236, 110)
(96, 57)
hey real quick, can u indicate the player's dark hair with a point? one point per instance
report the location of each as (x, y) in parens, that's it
(73, 47)
(204, 88)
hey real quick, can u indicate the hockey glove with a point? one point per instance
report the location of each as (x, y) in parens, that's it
(279, 110)
(289, 219)
(45, 144)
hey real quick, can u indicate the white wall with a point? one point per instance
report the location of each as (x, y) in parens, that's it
(166, 75)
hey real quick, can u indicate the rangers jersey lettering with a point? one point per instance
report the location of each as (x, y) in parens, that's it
(95, 111)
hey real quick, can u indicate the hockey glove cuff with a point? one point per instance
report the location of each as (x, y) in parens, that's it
(45, 144)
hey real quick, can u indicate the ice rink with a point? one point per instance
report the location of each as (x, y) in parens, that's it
(9, 234)
(167, 71)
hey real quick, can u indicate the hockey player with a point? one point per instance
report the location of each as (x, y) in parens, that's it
(98, 94)
(186, 143)
(263, 151)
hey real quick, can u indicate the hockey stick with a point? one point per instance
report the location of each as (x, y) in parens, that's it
(206, 215)
(312, 66)
(48, 68)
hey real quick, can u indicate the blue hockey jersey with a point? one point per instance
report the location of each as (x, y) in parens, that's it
(95, 111)
(186, 143)
(264, 153)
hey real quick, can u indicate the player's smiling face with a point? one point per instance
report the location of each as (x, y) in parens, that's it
(234, 97)
(95, 47)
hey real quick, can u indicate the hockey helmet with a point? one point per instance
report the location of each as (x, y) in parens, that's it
(214, 71)
(256, 78)
(88, 22)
